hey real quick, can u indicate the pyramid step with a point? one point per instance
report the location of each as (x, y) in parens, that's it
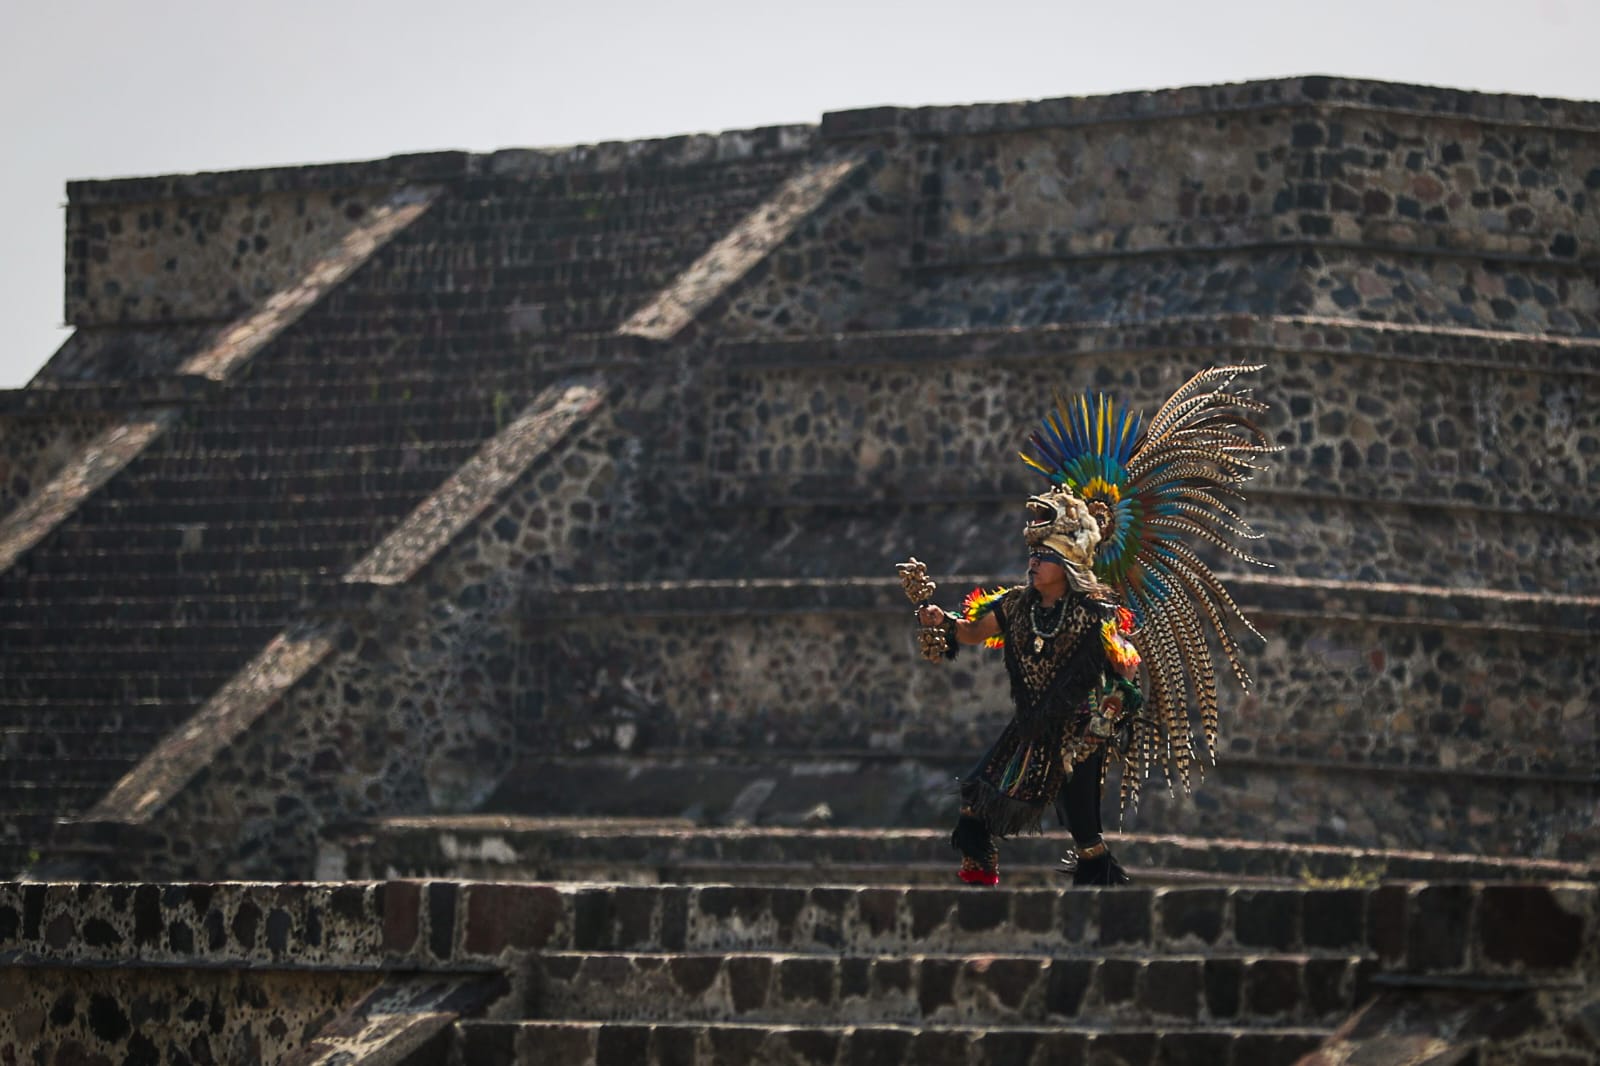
(109, 637)
(307, 414)
(381, 454)
(34, 807)
(113, 739)
(123, 611)
(387, 503)
(535, 848)
(610, 211)
(1032, 875)
(895, 919)
(215, 559)
(401, 426)
(173, 587)
(1179, 990)
(269, 462)
(35, 662)
(118, 686)
(22, 716)
(575, 1043)
(219, 485)
(63, 771)
(283, 535)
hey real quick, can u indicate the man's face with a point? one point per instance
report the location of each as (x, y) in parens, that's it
(1044, 572)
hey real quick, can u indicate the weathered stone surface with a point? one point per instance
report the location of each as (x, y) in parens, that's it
(694, 570)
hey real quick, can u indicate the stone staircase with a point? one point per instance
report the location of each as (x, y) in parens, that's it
(495, 847)
(441, 972)
(758, 945)
(922, 975)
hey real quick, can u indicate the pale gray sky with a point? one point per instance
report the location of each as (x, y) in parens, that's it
(111, 88)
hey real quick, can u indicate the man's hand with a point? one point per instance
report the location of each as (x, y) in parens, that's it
(930, 615)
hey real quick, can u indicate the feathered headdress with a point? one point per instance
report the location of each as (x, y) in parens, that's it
(1154, 489)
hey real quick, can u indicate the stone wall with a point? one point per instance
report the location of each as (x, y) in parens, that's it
(209, 246)
(1359, 730)
(1299, 197)
(61, 1015)
(249, 974)
(1202, 181)
(1358, 425)
(1428, 445)
(34, 447)
(414, 709)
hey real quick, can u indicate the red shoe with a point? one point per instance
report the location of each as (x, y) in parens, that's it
(974, 873)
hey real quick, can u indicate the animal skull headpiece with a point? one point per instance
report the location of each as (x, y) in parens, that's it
(1060, 522)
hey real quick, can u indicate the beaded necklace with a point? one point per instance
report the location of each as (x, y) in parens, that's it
(1040, 633)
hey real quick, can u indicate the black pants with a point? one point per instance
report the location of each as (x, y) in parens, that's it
(1078, 802)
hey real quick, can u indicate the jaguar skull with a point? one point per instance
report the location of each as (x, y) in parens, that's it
(1059, 521)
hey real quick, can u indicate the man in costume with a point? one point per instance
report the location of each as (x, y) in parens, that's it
(1114, 593)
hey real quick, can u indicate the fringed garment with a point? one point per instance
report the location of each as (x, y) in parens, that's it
(1069, 704)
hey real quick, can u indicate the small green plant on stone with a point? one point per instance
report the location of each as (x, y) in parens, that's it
(1362, 874)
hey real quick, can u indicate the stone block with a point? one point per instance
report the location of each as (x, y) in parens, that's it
(1335, 919)
(749, 979)
(519, 917)
(939, 1049)
(807, 980)
(1329, 988)
(1272, 988)
(1530, 927)
(441, 906)
(936, 980)
(670, 1046)
(674, 927)
(694, 974)
(1067, 986)
(1009, 981)
(1122, 1049)
(1033, 912)
(1388, 916)
(737, 1047)
(1004, 1048)
(1253, 1047)
(855, 977)
(1190, 916)
(892, 976)
(1267, 918)
(1125, 918)
(1439, 928)
(813, 1046)
(878, 1047)
(930, 910)
(620, 1044)
(1224, 981)
(1174, 988)
(979, 911)
(402, 914)
(879, 910)
(1118, 981)
(633, 923)
(1195, 1049)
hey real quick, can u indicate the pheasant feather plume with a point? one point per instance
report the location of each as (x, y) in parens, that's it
(1163, 483)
